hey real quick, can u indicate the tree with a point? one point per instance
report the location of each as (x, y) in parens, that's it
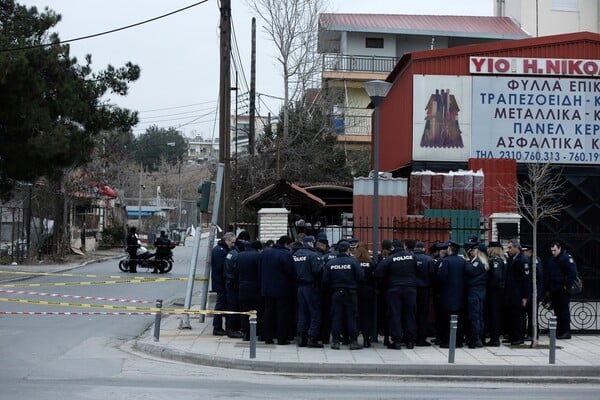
(292, 25)
(536, 199)
(157, 145)
(51, 107)
(309, 154)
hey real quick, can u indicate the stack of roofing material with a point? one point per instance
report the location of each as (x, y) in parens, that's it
(454, 190)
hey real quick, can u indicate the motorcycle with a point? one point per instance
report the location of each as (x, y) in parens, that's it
(145, 259)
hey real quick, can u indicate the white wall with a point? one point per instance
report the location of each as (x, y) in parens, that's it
(354, 43)
(551, 21)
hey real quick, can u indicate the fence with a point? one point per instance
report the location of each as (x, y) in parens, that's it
(14, 234)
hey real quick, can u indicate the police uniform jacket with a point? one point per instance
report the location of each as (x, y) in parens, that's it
(398, 269)
(132, 243)
(562, 271)
(477, 276)
(425, 268)
(163, 247)
(518, 281)
(230, 265)
(451, 276)
(497, 273)
(369, 272)
(248, 268)
(308, 265)
(277, 272)
(217, 265)
(343, 272)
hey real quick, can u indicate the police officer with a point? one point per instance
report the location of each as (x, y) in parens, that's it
(248, 270)
(344, 273)
(477, 277)
(539, 281)
(425, 270)
(451, 279)
(562, 274)
(233, 324)
(495, 292)
(277, 282)
(217, 275)
(132, 245)
(399, 272)
(309, 270)
(366, 293)
(323, 250)
(516, 292)
(163, 251)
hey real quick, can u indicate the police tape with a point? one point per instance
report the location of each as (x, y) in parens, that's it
(91, 283)
(99, 276)
(74, 296)
(73, 313)
(126, 308)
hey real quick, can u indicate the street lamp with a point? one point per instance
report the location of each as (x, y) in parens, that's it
(377, 90)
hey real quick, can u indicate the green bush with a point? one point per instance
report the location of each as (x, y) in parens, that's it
(113, 236)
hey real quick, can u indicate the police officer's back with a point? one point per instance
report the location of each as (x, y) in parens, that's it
(399, 274)
(343, 274)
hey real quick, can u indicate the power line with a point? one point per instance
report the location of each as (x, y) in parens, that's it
(176, 107)
(105, 32)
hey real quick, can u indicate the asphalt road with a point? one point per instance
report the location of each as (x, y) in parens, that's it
(91, 357)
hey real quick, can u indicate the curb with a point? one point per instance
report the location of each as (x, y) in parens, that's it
(550, 373)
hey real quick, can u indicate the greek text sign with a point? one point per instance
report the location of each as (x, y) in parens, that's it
(534, 66)
(536, 119)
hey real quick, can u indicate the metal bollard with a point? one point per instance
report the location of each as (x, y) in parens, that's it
(253, 321)
(157, 320)
(452, 341)
(552, 335)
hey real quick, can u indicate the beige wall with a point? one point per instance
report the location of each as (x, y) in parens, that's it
(550, 21)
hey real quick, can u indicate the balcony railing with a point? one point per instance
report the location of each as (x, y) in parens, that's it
(351, 124)
(348, 63)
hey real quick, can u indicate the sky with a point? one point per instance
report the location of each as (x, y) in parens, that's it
(179, 54)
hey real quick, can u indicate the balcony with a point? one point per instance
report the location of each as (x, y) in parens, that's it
(361, 64)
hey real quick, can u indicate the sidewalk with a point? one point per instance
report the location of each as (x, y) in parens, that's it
(577, 359)
(72, 261)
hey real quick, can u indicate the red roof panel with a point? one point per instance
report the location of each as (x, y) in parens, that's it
(449, 25)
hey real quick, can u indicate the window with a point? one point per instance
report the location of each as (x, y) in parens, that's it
(565, 5)
(374, 43)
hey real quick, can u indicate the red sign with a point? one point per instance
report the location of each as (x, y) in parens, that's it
(534, 66)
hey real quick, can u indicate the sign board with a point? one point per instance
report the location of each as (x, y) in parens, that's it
(526, 118)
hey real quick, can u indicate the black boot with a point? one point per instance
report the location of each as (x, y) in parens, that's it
(301, 340)
(314, 343)
(354, 345)
(366, 341)
(335, 345)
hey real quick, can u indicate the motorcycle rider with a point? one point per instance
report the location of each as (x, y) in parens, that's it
(163, 252)
(133, 244)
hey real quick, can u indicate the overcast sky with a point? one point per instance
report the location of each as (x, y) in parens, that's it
(179, 54)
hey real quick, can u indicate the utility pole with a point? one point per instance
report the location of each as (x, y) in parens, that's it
(252, 132)
(139, 224)
(225, 111)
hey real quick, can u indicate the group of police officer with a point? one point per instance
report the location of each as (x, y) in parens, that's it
(314, 294)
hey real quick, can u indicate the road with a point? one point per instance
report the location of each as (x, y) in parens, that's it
(91, 357)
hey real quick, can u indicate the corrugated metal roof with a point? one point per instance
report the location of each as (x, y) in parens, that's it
(438, 25)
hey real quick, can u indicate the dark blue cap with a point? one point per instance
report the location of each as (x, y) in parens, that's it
(451, 243)
(397, 243)
(343, 246)
(308, 239)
